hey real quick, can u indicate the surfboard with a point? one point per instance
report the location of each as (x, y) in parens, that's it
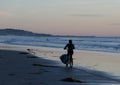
(64, 58)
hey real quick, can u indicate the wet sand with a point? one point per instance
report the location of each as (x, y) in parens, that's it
(42, 67)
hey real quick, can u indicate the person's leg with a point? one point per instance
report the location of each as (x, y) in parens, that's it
(71, 61)
(66, 64)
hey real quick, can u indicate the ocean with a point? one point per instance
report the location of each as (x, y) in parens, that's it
(101, 44)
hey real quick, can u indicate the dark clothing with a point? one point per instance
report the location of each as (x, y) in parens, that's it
(70, 51)
(70, 48)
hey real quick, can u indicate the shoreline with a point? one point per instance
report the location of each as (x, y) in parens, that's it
(20, 67)
(40, 46)
(92, 60)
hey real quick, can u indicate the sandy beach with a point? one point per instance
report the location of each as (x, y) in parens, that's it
(42, 66)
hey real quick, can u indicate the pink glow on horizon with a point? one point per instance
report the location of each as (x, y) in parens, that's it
(64, 17)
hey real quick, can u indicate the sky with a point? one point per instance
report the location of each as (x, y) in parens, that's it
(62, 17)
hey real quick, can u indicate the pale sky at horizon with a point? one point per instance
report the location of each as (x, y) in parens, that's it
(62, 17)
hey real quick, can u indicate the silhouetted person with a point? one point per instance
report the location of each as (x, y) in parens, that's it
(70, 46)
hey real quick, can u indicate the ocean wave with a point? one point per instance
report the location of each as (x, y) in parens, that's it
(104, 44)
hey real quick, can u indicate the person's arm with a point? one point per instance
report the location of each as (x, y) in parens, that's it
(73, 46)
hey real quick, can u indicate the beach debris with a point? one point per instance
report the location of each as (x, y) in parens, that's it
(32, 57)
(70, 79)
(11, 74)
(23, 53)
(32, 51)
(45, 65)
(37, 65)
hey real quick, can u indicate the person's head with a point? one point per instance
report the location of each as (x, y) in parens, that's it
(70, 41)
